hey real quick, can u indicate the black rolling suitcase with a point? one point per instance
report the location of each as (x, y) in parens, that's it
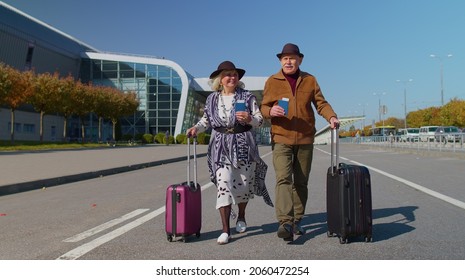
(348, 198)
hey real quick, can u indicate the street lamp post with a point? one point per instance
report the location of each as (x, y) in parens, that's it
(405, 99)
(363, 121)
(442, 79)
(379, 104)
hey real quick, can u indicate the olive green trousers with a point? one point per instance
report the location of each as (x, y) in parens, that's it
(292, 164)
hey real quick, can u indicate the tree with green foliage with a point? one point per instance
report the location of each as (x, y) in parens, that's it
(391, 121)
(46, 95)
(64, 105)
(147, 138)
(121, 104)
(5, 82)
(101, 106)
(453, 113)
(81, 100)
(159, 137)
(180, 138)
(15, 89)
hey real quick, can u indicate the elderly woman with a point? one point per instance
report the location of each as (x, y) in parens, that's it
(234, 162)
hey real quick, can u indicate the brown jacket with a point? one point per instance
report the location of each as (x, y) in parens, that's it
(298, 127)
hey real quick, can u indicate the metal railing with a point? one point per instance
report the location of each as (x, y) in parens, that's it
(449, 143)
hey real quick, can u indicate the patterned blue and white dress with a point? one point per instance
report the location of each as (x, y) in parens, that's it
(234, 162)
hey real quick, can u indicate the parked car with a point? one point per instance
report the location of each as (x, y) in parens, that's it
(408, 134)
(447, 134)
(426, 133)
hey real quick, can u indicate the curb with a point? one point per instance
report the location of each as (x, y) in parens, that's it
(52, 182)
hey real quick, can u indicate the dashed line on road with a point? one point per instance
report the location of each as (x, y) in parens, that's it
(430, 192)
(107, 225)
(87, 247)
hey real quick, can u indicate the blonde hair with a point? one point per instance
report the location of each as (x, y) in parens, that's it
(215, 82)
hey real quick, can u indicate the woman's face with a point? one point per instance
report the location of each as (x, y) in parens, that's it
(229, 79)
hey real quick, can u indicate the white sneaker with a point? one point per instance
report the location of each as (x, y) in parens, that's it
(241, 226)
(223, 239)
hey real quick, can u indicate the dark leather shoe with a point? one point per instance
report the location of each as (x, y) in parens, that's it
(285, 232)
(289, 239)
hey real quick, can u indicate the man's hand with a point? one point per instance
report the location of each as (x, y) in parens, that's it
(277, 111)
(334, 122)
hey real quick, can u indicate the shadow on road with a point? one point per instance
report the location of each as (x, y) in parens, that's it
(315, 225)
(388, 230)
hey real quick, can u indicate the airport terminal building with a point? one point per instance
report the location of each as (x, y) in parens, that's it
(170, 99)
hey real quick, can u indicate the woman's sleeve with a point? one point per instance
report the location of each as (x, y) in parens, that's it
(202, 124)
(257, 117)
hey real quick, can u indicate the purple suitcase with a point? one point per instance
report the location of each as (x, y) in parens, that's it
(348, 198)
(183, 215)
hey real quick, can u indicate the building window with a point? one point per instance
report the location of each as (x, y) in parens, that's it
(158, 89)
(30, 52)
(96, 70)
(110, 69)
(126, 70)
(29, 128)
(53, 132)
(17, 127)
(140, 70)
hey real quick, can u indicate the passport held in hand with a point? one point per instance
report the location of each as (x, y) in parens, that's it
(284, 103)
(240, 106)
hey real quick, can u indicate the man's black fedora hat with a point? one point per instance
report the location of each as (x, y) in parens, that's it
(290, 48)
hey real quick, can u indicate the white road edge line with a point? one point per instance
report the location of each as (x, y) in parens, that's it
(435, 194)
(85, 248)
(107, 225)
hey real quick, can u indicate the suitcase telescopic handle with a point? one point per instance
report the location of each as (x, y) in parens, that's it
(189, 161)
(334, 146)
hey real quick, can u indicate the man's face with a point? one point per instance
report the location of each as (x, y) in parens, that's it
(290, 63)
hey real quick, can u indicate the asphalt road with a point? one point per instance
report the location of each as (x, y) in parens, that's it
(418, 211)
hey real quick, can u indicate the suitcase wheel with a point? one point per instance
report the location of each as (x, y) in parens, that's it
(169, 237)
(330, 234)
(368, 238)
(197, 234)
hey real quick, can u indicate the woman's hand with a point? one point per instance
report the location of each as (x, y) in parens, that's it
(243, 117)
(191, 132)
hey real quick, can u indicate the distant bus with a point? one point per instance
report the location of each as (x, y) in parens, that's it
(384, 130)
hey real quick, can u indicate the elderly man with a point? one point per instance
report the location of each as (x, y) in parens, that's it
(287, 100)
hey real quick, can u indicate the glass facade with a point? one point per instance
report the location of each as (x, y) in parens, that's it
(158, 89)
(170, 99)
(195, 104)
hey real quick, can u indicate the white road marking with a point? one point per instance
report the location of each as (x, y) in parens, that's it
(85, 248)
(435, 194)
(107, 225)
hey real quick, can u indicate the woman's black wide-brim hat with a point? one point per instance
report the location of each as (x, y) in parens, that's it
(227, 65)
